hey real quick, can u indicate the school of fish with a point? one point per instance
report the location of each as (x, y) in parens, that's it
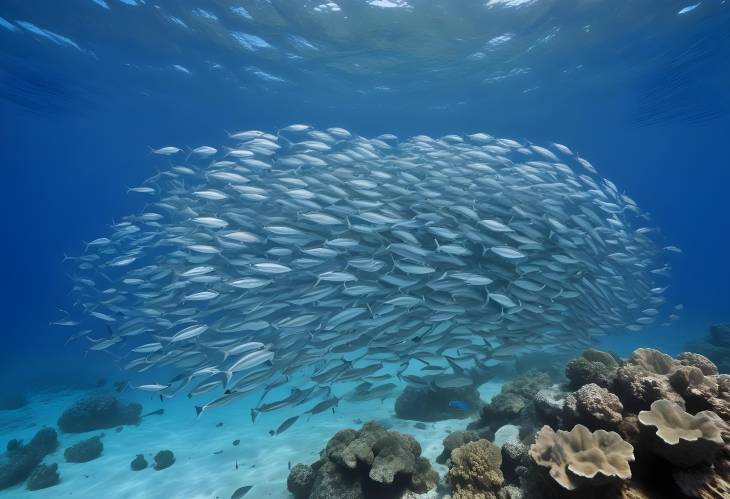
(308, 258)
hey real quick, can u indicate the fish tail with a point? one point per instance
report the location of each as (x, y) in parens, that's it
(199, 410)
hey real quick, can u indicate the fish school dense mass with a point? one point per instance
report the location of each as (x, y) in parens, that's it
(310, 258)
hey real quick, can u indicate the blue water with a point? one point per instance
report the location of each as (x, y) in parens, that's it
(87, 87)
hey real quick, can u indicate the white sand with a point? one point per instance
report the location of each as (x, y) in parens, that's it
(200, 473)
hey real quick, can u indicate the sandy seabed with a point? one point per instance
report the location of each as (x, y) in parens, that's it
(205, 466)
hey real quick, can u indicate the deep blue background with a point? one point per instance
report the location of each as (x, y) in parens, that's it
(74, 134)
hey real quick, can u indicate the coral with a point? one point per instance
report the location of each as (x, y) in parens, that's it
(593, 366)
(300, 480)
(43, 476)
(424, 477)
(629, 429)
(434, 403)
(338, 443)
(395, 454)
(673, 414)
(578, 457)
(20, 460)
(369, 463)
(594, 407)
(514, 402)
(515, 455)
(164, 459)
(84, 451)
(652, 361)
(332, 482)
(694, 387)
(689, 381)
(475, 471)
(681, 438)
(723, 385)
(644, 379)
(699, 361)
(454, 440)
(548, 405)
(511, 492)
(98, 412)
(357, 452)
(138, 463)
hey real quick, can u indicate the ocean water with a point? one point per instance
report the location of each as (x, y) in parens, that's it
(89, 87)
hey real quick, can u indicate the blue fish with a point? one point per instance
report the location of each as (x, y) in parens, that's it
(459, 405)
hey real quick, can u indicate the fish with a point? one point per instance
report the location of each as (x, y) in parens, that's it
(324, 405)
(166, 151)
(310, 259)
(189, 332)
(152, 387)
(241, 492)
(285, 425)
(158, 412)
(204, 151)
(459, 405)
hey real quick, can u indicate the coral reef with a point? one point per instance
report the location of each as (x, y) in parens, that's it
(578, 457)
(98, 412)
(593, 407)
(367, 463)
(593, 366)
(164, 459)
(300, 480)
(648, 427)
(514, 404)
(434, 403)
(515, 461)
(454, 440)
(682, 438)
(20, 460)
(475, 471)
(84, 451)
(644, 378)
(43, 476)
(548, 405)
